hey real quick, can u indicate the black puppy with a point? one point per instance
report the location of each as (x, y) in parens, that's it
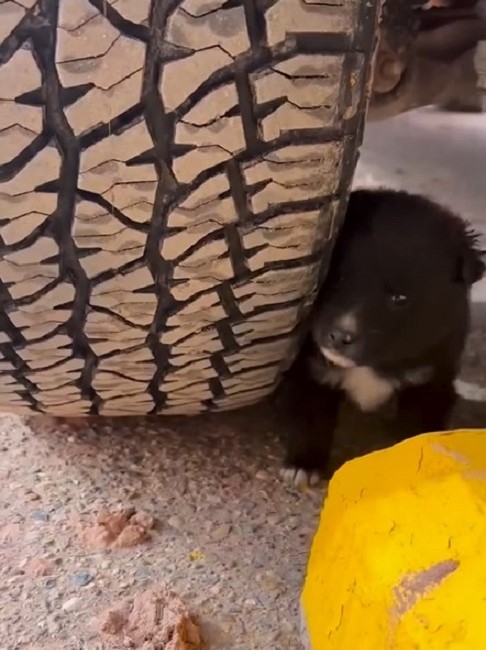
(390, 321)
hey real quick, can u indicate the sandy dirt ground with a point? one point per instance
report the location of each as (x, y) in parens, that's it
(98, 517)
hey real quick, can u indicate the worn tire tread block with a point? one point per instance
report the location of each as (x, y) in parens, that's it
(163, 226)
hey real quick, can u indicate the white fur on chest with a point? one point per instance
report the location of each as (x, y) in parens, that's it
(363, 386)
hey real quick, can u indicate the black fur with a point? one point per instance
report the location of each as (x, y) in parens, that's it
(401, 276)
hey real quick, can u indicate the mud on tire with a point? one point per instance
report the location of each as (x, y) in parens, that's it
(172, 174)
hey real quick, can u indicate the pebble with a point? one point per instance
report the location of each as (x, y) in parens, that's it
(40, 515)
(273, 520)
(213, 499)
(143, 519)
(220, 532)
(175, 522)
(38, 567)
(32, 496)
(71, 604)
(81, 579)
(52, 624)
(130, 536)
(262, 475)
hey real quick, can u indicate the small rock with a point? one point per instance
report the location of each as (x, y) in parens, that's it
(98, 537)
(143, 572)
(52, 625)
(273, 520)
(115, 522)
(143, 519)
(114, 620)
(213, 499)
(71, 604)
(38, 567)
(131, 536)
(40, 515)
(81, 579)
(9, 532)
(175, 522)
(293, 522)
(154, 618)
(220, 532)
(262, 475)
(32, 496)
(248, 529)
(120, 529)
(286, 627)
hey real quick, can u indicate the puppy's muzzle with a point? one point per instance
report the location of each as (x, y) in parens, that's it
(340, 339)
(337, 343)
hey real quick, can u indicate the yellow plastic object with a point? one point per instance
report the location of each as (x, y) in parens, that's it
(399, 559)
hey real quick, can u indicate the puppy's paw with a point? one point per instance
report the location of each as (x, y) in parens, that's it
(299, 477)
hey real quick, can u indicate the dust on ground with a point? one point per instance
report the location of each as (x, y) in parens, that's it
(226, 535)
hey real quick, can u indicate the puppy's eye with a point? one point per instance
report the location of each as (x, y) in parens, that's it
(399, 299)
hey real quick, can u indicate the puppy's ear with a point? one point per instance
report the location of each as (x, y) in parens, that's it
(471, 264)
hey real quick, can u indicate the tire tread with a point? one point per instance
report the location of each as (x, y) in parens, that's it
(171, 183)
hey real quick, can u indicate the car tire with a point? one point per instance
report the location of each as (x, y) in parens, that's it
(172, 177)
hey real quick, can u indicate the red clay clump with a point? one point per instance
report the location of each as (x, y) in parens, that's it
(156, 617)
(120, 529)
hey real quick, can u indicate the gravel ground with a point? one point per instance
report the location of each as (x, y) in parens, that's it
(229, 537)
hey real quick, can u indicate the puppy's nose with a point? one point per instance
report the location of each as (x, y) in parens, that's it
(340, 338)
